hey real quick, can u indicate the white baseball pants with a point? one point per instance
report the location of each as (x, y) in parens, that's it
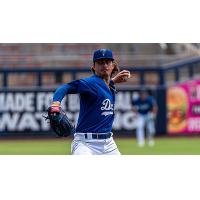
(82, 146)
(143, 120)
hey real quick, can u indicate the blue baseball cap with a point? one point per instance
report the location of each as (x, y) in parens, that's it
(102, 54)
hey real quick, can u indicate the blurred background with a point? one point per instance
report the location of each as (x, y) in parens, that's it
(30, 73)
(79, 56)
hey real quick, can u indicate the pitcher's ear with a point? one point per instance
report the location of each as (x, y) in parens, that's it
(92, 68)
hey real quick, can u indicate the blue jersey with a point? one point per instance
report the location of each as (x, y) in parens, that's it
(96, 103)
(144, 106)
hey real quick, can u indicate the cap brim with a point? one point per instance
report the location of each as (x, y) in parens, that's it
(103, 58)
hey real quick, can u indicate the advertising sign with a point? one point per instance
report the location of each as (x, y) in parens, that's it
(183, 108)
(21, 112)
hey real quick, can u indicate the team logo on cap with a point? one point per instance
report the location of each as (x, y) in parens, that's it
(103, 51)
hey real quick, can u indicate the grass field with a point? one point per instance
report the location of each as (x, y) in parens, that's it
(163, 146)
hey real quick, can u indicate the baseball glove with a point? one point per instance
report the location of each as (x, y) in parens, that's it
(60, 123)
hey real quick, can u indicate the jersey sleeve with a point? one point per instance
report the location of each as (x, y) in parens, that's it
(74, 87)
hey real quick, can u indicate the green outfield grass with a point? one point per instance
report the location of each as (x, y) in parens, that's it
(128, 146)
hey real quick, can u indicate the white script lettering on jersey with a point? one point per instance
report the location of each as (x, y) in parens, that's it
(108, 107)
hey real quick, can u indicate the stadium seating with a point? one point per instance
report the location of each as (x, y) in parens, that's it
(80, 56)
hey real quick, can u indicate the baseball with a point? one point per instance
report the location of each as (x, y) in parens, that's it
(127, 77)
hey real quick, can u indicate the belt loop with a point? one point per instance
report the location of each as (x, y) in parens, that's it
(85, 135)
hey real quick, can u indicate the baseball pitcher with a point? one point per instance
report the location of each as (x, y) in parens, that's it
(93, 133)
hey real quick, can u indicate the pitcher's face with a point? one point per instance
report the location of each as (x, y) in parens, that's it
(103, 67)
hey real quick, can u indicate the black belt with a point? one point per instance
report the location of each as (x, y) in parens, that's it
(99, 136)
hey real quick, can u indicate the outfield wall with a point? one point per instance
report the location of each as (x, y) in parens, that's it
(21, 111)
